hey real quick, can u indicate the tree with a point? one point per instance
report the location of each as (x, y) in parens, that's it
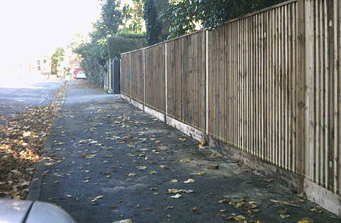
(137, 19)
(185, 15)
(56, 59)
(111, 19)
(95, 51)
(156, 29)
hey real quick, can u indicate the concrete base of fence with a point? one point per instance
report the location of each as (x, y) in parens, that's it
(154, 113)
(323, 197)
(187, 129)
(137, 104)
(125, 97)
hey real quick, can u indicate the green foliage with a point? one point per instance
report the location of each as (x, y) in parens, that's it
(130, 34)
(133, 17)
(111, 18)
(120, 44)
(184, 15)
(156, 31)
(106, 38)
(56, 59)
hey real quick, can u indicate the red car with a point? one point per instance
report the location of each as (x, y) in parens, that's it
(78, 73)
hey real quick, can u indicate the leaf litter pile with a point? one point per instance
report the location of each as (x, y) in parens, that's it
(22, 140)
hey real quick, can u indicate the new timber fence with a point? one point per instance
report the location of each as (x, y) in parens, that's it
(267, 84)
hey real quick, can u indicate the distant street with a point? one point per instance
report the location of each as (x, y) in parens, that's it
(16, 95)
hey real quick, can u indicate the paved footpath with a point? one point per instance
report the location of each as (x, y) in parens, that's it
(110, 162)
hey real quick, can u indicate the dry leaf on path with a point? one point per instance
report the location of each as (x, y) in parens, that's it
(189, 181)
(177, 196)
(198, 174)
(141, 167)
(124, 221)
(284, 203)
(305, 220)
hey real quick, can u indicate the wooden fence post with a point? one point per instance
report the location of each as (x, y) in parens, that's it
(144, 77)
(166, 87)
(206, 79)
(301, 95)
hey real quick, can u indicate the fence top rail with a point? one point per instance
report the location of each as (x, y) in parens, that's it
(230, 21)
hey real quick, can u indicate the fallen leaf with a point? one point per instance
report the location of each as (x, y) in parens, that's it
(182, 139)
(124, 221)
(189, 181)
(170, 207)
(284, 215)
(164, 167)
(224, 201)
(305, 220)
(316, 210)
(141, 167)
(174, 181)
(239, 218)
(177, 196)
(284, 203)
(132, 174)
(153, 172)
(202, 144)
(213, 167)
(198, 174)
(239, 204)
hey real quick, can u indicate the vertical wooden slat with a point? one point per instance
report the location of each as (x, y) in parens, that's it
(310, 93)
(326, 87)
(271, 74)
(317, 94)
(331, 93)
(301, 94)
(321, 86)
(335, 93)
(338, 57)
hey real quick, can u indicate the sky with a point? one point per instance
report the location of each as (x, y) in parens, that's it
(38, 27)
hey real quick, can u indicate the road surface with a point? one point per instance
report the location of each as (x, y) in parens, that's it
(16, 95)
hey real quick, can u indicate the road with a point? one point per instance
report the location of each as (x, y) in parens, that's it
(16, 95)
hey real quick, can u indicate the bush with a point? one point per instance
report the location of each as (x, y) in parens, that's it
(120, 43)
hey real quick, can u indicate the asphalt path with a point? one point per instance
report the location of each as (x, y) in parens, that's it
(110, 161)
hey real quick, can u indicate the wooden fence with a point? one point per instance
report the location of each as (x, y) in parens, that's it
(267, 84)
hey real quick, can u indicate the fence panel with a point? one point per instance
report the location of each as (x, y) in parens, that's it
(125, 73)
(251, 84)
(137, 77)
(323, 92)
(155, 77)
(174, 80)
